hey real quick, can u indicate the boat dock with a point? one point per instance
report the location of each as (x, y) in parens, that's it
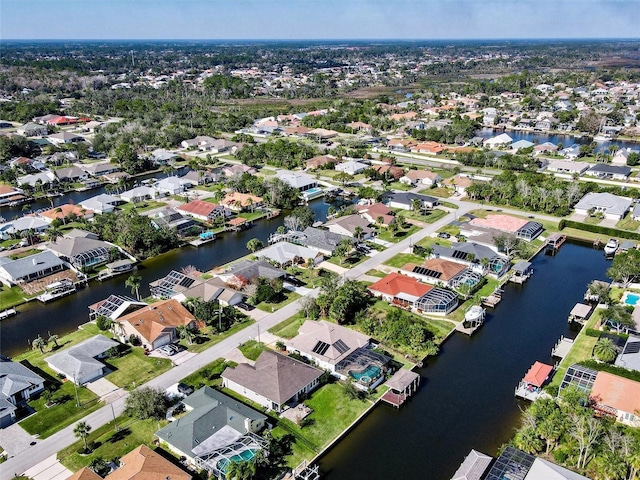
(522, 271)
(473, 319)
(115, 268)
(562, 348)
(554, 242)
(579, 313)
(10, 312)
(492, 300)
(530, 387)
(57, 290)
(402, 385)
(203, 239)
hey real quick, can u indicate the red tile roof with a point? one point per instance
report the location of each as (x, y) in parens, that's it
(616, 392)
(538, 373)
(198, 207)
(394, 283)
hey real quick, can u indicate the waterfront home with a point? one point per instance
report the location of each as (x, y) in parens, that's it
(352, 167)
(429, 147)
(546, 147)
(502, 140)
(239, 202)
(141, 463)
(21, 226)
(521, 144)
(320, 162)
(439, 271)
(322, 241)
(420, 177)
(204, 211)
(479, 258)
(168, 218)
(10, 194)
(341, 351)
(542, 469)
(518, 227)
(66, 211)
(114, 307)
(511, 464)
(181, 286)
(216, 430)
(399, 289)
(139, 194)
(34, 179)
(161, 156)
(377, 213)
(473, 466)
(82, 252)
(155, 325)
(103, 203)
(298, 180)
(275, 382)
(348, 224)
(99, 169)
(18, 385)
(571, 153)
(285, 254)
(200, 177)
(613, 207)
(459, 183)
(71, 174)
(28, 269)
(617, 397)
(31, 129)
(609, 172)
(629, 358)
(405, 200)
(172, 185)
(80, 363)
(246, 271)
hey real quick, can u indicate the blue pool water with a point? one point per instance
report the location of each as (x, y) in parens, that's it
(243, 456)
(631, 298)
(372, 372)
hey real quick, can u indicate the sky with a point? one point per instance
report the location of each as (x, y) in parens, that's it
(318, 19)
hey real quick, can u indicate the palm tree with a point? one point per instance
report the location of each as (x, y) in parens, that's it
(134, 282)
(254, 245)
(81, 430)
(53, 233)
(39, 343)
(53, 338)
(358, 232)
(185, 333)
(241, 470)
(605, 350)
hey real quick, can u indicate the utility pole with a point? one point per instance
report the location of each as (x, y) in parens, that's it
(75, 387)
(115, 423)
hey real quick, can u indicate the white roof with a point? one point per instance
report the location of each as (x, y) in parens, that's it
(501, 139)
(612, 204)
(283, 252)
(295, 179)
(545, 470)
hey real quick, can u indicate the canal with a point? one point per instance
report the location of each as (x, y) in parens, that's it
(466, 399)
(64, 315)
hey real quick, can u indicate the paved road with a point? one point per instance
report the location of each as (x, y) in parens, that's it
(49, 446)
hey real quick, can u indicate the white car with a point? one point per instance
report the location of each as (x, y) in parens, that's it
(168, 350)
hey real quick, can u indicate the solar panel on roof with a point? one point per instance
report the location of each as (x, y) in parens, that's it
(427, 272)
(340, 346)
(186, 282)
(320, 348)
(459, 254)
(632, 347)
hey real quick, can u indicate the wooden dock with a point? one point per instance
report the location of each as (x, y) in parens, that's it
(554, 242)
(492, 300)
(402, 385)
(561, 349)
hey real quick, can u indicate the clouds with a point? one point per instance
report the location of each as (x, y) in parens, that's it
(318, 19)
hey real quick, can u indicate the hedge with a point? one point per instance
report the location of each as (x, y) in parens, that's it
(605, 367)
(611, 232)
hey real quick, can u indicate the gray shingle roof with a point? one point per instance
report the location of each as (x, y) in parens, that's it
(70, 247)
(32, 264)
(250, 270)
(79, 360)
(613, 204)
(15, 377)
(274, 376)
(322, 239)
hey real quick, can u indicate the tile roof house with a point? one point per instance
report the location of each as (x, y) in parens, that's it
(436, 271)
(205, 211)
(215, 428)
(155, 325)
(612, 206)
(80, 363)
(618, 397)
(17, 385)
(377, 213)
(420, 177)
(274, 381)
(239, 202)
(63, 211)
(320, 161)
(141, 463)
(399, 289)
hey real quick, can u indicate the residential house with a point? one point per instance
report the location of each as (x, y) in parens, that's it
(434, 148)
(479, 258)
(377, 213)
(160, 156)
(168, 218)
(41, 178)
(18, 385)
(103, 203)
(156, 324)
(320, 162)
(82, 252)
(23, 225)
(546, 147)
(63, 138)
(352, 167)
(521, 145)
(141, 463)
(629, 358)
(139, 194)
(298, 180)
(321, 134)
(200, 177)
(571, 153)
(569, 167)
(405, 200)
(611, 206)
(284, 254)
(215, 428)
(28, 269)
(420, 177)
(323, 241)
(542, 469)
(71, 174)
(621, 156)
(181, 286)
(80, 363)
(10, 194)
(502, 140)
(204, 211)
(31, 129)
(609, 172)
(114, 307)
(275, 381)
(348, 225)
(231, 170)
(172, 185)
(360, 127)
(399, 289)
(618, 397)
(440, 271)
(518, 227)
(238, 202)
(99, 169)
(246, 271)
(459, 183)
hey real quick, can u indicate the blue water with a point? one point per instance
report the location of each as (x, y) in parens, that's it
(372, 371)
(631, 298)
(243, 456)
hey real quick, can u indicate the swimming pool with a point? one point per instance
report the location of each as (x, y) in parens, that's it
(367, 375)
(630, 298)
(243, 456)
(313, 193)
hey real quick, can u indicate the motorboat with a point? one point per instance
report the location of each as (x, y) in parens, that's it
(611, 246)
(474, 314)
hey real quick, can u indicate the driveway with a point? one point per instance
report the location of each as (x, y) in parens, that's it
(49, 469)
(101, 387)
(14, 439)
(607, 222)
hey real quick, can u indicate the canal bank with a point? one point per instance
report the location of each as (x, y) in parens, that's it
(466, 400)
(66, 314)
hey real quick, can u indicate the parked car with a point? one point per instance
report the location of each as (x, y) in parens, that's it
(168, 350)
(245, 306)
(185, 389)
(444, 235)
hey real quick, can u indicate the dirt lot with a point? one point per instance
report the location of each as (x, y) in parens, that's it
(38, 286)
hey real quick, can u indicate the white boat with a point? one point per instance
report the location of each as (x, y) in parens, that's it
(474, 314)
(611, 246)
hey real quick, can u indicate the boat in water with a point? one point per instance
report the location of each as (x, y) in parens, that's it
(474, 315)
(611, 247)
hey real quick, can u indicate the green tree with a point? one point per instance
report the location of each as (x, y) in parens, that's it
(134, 282)
(241, 470)
(81, 430)
(343, 178)
(619, 317)
(254, 245)
(146, 403)
(185, 333)
(54, 339)
(605, 350)
(103, 323)
(633, 159)
(39, 343)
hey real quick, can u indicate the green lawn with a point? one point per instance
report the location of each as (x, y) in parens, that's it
(288, 328)
(209, 374)
(398, 236)
(207, 339)
(437, 192)
(431, 216)
(24, 253)
(399, 186)
(628, 224)
(47, 421)
(348, 262)
(439, 328)
(580, 350)
(136, 368)
(10, 297)
(111, 444)
(589, 220)
(252, 349)
(376, 273)
(142, 206)
(398, 261)
(272, 307)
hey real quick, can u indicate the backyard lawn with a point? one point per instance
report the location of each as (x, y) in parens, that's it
(288, 328)
(10, 297)
(136, 368)
(272, 307)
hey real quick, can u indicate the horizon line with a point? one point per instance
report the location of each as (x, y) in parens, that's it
(452, 39)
